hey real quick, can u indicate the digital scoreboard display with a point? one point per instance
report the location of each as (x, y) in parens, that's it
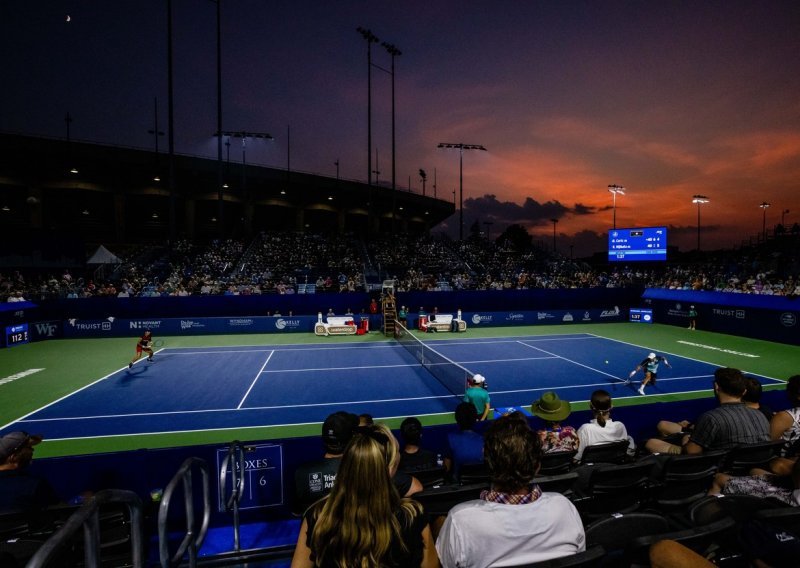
(641, 315)
(646, 244)
(17, 334)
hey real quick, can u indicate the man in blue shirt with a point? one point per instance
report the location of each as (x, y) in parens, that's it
(466, 445)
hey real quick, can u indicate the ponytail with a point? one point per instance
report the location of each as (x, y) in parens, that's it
(601, 406)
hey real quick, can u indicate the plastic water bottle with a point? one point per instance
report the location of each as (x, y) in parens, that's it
(459, 315)
(319, 317)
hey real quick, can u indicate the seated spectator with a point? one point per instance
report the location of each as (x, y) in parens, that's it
(752, 397)
(19, 488)
(555, 437)
(730, 424)
(365, 419)
(364, 521)
(314, 480)
(413, 457)
(514, 522)
(466, 445)
(785, 425)
(601, 429)
(767, 486)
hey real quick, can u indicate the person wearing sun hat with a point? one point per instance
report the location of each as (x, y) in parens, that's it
(19, 488)
(554, 436)
(477, 395)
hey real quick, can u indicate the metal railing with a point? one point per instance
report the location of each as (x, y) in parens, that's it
(88, 517)
(193, 538)
(233, 462)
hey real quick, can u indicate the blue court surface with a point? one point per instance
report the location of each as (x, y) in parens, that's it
(195, 389)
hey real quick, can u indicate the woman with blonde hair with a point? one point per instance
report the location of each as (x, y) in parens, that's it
(601, 429)
(364, 522)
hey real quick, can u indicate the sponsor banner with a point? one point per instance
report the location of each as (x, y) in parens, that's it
(42, 330)
(540, 317)
(745, 320)
(118, 327)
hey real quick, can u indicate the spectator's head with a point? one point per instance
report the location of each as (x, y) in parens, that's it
(600, 404)
(365, 420)
(550, 408)
(337, 431)
(753, 392)
(16, 449)
(411, 431)
(793, 390)
(466, 416)
(730, 381)
(512, 452)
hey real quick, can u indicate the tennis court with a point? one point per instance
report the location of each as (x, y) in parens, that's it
(194, 389)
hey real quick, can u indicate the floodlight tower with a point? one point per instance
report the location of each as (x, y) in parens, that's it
(461, 147)
(699, 200)
(764, 205)
(616, 190)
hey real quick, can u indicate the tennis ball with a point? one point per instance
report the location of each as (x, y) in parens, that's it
(606, 361)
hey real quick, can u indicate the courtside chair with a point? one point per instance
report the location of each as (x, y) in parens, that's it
(556, 462)
(741, 459)
(612, 452)
(685, 479)
(615, 531)
(562, 483)
(614, 489)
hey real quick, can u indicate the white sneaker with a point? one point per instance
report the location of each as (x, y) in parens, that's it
(641, 390)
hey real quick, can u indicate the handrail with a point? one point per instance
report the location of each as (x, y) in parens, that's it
(88, 518)
(238, 482)
(192, 540)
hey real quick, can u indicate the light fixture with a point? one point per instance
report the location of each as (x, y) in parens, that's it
(330, 198)
(213, 219)
(225, 186)
(156, 178)
(154, 215)
(283, 192)
(73, 170)
(85, 212)
(6, 208)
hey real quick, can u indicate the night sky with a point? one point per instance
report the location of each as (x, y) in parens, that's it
(666, 98)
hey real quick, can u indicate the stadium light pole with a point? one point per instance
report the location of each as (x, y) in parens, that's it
(461, 147)
(783, 217)
(699, 200)
(394, 52)
(555, 222)
(616, 190)
(764, 205)
(370, 39)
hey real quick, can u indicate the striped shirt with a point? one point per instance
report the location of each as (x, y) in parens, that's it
(729, 425)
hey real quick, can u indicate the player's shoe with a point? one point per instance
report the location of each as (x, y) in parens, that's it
(150, 359)
(130, 365)
(641, 390)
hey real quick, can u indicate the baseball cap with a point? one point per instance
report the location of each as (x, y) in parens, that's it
(651, 356)
(337, 430)
(479, 379)
(12, 442)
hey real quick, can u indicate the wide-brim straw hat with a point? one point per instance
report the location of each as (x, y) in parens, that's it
(551, 408)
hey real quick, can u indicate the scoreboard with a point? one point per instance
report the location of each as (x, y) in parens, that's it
(17, 334)
(645, 244)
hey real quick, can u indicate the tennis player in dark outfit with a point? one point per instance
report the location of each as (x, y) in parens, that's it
(650, 366)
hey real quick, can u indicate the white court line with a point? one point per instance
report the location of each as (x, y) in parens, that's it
(261, 370)
(574, 362)
(259, 408)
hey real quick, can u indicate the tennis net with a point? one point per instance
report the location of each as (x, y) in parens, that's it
(453, 376)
